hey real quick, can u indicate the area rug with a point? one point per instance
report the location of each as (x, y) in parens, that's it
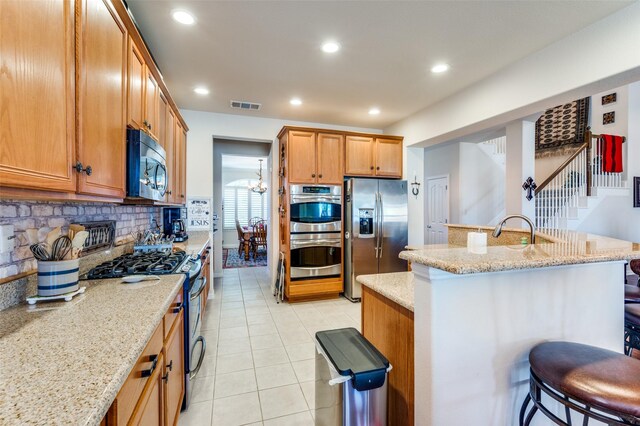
(231, 260)
(562, 128)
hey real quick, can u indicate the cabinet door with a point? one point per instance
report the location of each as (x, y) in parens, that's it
(171, 153)
(174, 372)
(359, 156)
(150, 408)
(388, 157)
(37, 93)
(180, 164)
(330, 158)
(101, 99)
(136, 86)
(183, 166)
(151, 105)
(162, 121)
(302, 157)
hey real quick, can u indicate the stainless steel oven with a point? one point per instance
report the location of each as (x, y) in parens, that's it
(315, 255)
(316, 208)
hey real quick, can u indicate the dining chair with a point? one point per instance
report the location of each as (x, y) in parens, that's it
(259, 237)
(254, 220)
(242, 241)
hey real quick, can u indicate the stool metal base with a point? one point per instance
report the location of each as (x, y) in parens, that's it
(537, 387)
(631, 338)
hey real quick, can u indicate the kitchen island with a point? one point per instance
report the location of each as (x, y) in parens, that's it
(478, 315)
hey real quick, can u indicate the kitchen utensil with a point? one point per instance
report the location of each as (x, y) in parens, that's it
(78, 243)
(53, 235)
(32, 236)
(130, 279)
(74, 229)
(60, 248)
(42, 233)
(39, 252)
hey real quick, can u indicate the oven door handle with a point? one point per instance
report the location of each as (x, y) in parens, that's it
(201, 289)
(193, 373)
(300, 199)
(296, 244)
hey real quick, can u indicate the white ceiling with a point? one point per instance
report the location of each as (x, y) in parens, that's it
(269, 51)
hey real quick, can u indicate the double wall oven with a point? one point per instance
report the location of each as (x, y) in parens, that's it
(315, 231)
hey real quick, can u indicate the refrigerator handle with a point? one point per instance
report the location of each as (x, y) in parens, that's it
(376, 214)
(381, 231)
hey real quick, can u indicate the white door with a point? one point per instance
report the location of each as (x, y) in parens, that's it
(437, 209)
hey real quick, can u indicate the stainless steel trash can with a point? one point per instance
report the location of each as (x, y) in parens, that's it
(351, 380)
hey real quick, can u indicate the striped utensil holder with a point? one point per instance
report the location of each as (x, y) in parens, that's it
(58, 277)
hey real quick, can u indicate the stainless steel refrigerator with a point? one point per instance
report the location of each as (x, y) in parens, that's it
(375, 230)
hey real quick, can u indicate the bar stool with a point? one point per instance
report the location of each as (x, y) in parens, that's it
(631, 328)
(600, 384)
(631, 294)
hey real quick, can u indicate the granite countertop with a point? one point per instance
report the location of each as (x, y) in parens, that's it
(196, 242)
(571, 248)
(395, 286)
(64, 362)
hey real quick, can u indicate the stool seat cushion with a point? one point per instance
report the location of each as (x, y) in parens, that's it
(595, 376)
(631, 294)
(632, 313)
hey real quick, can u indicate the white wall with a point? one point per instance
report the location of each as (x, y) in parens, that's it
(481, 188)
(615, 216)
(200, 171)
(438, 161)
(599, 57)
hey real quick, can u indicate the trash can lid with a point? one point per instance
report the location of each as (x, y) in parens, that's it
(353, 355)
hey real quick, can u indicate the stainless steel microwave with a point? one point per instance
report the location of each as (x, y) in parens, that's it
(146, 167)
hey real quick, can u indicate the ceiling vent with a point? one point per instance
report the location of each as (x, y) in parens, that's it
(251, 106)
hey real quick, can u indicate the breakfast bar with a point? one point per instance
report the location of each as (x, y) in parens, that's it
(478, 313)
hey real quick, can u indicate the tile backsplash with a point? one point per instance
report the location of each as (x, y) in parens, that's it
(36, 214)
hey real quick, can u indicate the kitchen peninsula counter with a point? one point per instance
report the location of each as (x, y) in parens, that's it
(395, 286)
(64, 362)
(477, 313)
(197, 241)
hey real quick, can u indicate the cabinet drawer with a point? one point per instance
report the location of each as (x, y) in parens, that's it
(173, 313)
(129, 394)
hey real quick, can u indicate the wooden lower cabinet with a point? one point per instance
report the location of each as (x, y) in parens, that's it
(389, 327)
(153, 392)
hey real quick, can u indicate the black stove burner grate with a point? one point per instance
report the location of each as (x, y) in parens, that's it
(143, 263)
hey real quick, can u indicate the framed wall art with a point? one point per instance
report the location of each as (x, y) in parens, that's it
(609, 117)
(610, 98)
(636, 191)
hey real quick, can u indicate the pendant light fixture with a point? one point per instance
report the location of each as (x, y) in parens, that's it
(260, 187)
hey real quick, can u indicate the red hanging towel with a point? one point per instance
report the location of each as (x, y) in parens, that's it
(611, 151)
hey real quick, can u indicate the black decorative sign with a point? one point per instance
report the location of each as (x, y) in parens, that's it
(609, 117)
(610, 98)
(636, 191)
(530, 186)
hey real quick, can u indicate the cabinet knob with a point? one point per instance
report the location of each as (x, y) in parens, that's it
(169, 192)
(154, 363)
(320, 176)
(313, 175)
(79, 168)
(170, 366)
(182, 196)
(165, 378)
(371, 167)
(378, 168)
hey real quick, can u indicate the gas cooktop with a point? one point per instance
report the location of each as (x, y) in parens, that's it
(140, 263)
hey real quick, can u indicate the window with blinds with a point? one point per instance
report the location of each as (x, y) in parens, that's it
(242, 204)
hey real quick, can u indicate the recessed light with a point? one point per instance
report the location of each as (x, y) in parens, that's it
(296, 101)
(330, 47)
(201, 90)
(374, 111)
(439, 68)
(183, 17)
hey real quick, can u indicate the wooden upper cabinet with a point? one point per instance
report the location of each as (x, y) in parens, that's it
(152, 100)
(359, 156)
(136, 87)
(302, 156)
(330, 158)
(182, 173)
(162, 121)
(102, 38)
(37, 94)
(170, 149)
(388, 157)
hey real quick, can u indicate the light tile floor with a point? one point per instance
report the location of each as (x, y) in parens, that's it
(259, 366)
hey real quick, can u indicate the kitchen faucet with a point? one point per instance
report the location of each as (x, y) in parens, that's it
(498, 229)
